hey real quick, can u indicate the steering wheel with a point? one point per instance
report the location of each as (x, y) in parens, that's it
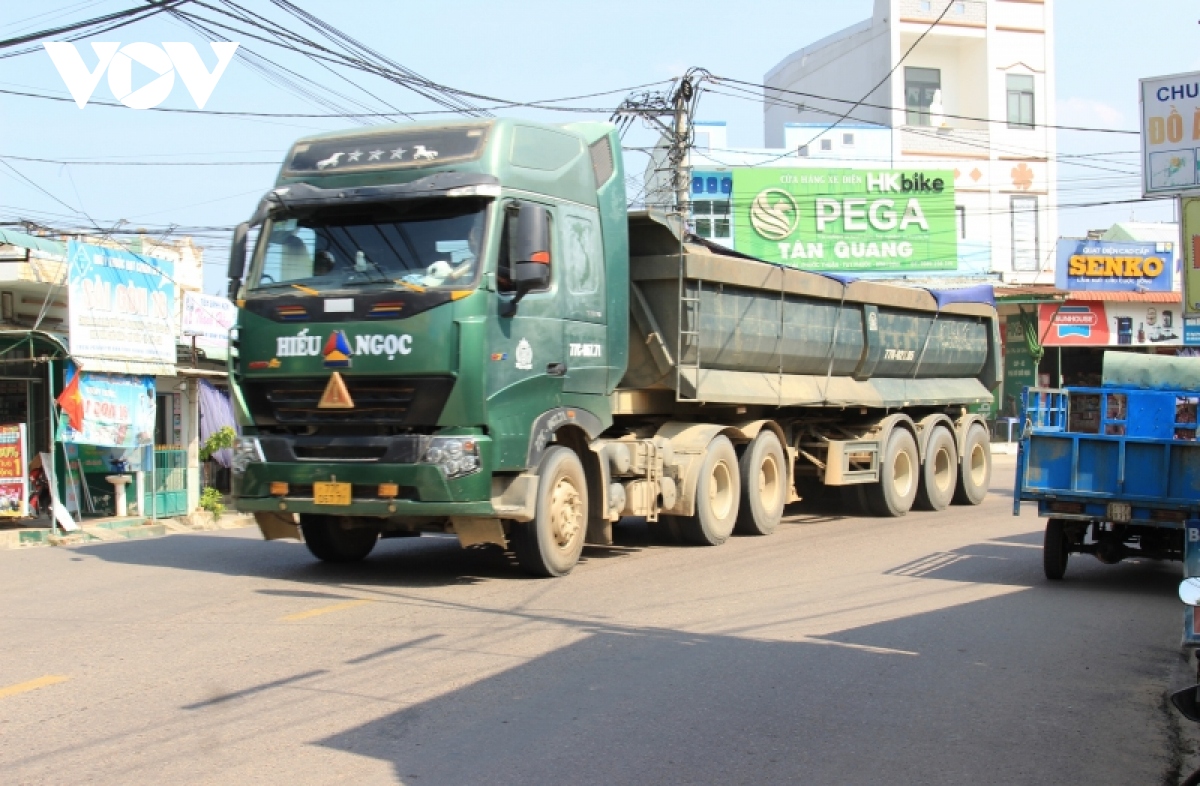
(266, 277)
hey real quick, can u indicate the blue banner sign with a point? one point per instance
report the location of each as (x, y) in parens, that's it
(122, 310)
(118, 411)
(1113, 266)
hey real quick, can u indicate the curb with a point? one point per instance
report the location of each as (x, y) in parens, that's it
(116, 531)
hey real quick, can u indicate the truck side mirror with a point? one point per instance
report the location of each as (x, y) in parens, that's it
(531, 252)
(237, 257)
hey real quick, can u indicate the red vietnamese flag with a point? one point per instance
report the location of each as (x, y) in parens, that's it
(71, 402)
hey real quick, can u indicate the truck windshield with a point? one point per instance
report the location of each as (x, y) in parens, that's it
(390, 247)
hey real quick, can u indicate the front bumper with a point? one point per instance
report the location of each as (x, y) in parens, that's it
(423, 488)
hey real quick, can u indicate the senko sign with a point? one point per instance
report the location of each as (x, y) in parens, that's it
(1113, 266)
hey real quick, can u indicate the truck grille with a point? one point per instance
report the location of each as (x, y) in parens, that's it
(390, 401)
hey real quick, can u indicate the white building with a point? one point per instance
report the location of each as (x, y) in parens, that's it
(974, 96)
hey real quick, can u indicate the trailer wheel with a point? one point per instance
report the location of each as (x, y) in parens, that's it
(1055, 550)
(975, 467)
(764, 485)
(939, 473)
(899, 472)
(550, 545)
(717, 494)
(332, 539)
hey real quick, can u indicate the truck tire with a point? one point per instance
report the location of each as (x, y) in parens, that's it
(331, 539)
(717, 494)
(550, 545)
(764, 485)
(975, 467)
(939, 473)
(899, 476)
(1055, 550)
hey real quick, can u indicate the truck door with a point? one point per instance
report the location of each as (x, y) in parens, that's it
(527, 348)
(582, 294)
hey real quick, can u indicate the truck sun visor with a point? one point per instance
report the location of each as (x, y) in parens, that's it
(406, 149)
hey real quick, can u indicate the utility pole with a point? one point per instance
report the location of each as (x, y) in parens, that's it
(680, 144)
(671, 114)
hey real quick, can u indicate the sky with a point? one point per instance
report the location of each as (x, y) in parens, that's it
(199, 173)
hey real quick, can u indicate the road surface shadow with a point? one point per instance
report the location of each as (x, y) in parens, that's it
(941, 697)
(1017, 561)
(430, 560)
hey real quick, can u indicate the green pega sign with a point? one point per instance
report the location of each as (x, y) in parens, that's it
(847, 219)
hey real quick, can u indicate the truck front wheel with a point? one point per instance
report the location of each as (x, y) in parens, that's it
(335, 539)
(550, 545)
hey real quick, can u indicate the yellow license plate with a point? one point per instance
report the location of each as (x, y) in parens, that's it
(331, 493)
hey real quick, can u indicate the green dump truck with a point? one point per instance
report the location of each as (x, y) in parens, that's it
(460, 328)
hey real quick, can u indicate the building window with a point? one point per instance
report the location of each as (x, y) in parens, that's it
(848, 140)
(711, 218)
(1020, 101)
(803, 151)
(960, 213)
(920, 85)
(960, 8)
(926, 6)
(827, 144)
(1024, 232)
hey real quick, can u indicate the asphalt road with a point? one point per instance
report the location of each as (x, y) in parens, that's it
(921, 650)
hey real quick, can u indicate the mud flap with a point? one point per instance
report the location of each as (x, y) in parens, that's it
(474, 531)
(277, 526)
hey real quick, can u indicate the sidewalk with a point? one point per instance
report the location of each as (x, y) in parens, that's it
(115, 529)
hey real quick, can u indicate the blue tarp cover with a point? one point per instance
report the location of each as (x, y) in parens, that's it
(981, 293)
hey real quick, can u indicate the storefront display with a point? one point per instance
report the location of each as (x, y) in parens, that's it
(14, 471)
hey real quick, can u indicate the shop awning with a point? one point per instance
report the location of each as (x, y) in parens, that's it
(1128, 297)
(52, 346)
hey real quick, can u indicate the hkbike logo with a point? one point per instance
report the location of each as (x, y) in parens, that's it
(173, 57)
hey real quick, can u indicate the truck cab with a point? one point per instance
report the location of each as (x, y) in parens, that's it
(424, 308)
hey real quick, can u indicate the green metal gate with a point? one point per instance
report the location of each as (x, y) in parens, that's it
(170, 483)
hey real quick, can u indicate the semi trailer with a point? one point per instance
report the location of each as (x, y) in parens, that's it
(461, 328)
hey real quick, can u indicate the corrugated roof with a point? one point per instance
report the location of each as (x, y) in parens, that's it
(1030, 292)
(22, 240)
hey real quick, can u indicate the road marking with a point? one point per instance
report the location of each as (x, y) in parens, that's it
(303, 615)
(861, 647)
(25, 687)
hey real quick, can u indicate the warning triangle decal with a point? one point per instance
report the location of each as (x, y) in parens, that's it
(336, 396)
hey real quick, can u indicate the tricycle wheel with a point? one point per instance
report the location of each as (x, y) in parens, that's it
(1055, 550)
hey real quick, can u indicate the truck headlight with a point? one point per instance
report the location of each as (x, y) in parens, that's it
(246, 451)
(456, 456)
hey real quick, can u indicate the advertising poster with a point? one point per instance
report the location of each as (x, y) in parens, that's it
(207, 316)
(1112, 324)
(1191, 255)
(1020, 370)
(847, 219)
(14, 471)
(1114, 267)
(1170, 134)
(107, 409)
(122, 310)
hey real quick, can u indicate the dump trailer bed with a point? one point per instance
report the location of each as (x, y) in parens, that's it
(742, 331)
